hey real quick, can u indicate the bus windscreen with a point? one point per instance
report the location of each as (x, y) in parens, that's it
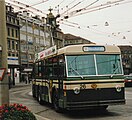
(85, 65)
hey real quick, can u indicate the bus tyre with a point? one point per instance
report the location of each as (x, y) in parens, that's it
(105, 107)
(56, 101)
(39, 97)
(33, 91)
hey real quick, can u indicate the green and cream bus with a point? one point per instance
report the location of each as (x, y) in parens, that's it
(79, 77)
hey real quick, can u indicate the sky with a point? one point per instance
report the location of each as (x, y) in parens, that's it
(100, 21)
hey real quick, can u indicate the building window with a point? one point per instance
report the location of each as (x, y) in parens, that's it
(30, 57)
(9, 19)
(13, 54)
(17, 46)
(17, 22)
(12, 32)
(8, 31)
(9, 54)
(16, 33)
(37, 40)
(13, 20)
(23, 37)
(9, 44)
(36, 31)
(23, 27)
(42, 41)
(23, 56)
(29, 29)
(13, 45)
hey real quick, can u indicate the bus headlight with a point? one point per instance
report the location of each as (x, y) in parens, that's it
(76, 90)
(118, 88)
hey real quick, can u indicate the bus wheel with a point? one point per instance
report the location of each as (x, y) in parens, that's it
(56, 101)
(105, 107)
(33, 91)
(39, 97)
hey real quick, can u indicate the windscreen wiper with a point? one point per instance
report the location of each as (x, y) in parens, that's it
(114, 72)
(76, 71)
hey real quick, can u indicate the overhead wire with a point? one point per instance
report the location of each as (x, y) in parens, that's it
(65, 5)
(108, 34)
(27, 7)
(79, 10)
(71, 2)
(71, 7)
(94, 8)
(100, 7)
(38, 3)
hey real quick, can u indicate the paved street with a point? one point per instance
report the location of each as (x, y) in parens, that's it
(23, 95)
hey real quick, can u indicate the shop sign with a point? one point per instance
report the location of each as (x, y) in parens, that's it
(13, 61)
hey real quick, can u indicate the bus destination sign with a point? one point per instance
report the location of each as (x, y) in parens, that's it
(93, 48)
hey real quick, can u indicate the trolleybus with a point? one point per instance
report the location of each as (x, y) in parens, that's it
(79, 77)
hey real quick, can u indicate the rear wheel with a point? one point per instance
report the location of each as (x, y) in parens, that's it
(39, 96)
(103, 107)
(33, 91)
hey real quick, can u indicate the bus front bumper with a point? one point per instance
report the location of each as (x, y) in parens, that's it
(89, 104)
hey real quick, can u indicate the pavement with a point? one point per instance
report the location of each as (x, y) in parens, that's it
(23, 85)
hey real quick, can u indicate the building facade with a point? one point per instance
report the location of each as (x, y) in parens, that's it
(36, 34)
(126, 53)
(13, 44)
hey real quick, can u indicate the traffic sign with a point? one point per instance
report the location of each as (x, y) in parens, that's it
(2, 72)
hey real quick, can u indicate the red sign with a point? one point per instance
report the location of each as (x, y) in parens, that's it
(2, 72)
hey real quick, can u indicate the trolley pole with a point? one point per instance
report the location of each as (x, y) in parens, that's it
(4, 86)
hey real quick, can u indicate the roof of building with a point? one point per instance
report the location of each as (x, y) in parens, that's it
(73, 37)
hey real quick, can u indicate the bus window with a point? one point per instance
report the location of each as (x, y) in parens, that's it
(61, 67)
(39, 69)
(108, 64)
(48, 68)
(81, 65)
(55, 67)
(36, 69)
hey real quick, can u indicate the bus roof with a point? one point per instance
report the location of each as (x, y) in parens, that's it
(89, 49)
(78, 49)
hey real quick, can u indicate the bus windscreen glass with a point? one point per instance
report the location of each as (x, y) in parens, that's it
(85, 65)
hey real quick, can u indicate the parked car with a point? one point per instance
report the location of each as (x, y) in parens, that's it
(128, 80)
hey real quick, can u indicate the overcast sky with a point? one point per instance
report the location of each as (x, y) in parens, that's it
(111, 25)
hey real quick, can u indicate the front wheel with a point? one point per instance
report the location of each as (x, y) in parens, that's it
(56, 101)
